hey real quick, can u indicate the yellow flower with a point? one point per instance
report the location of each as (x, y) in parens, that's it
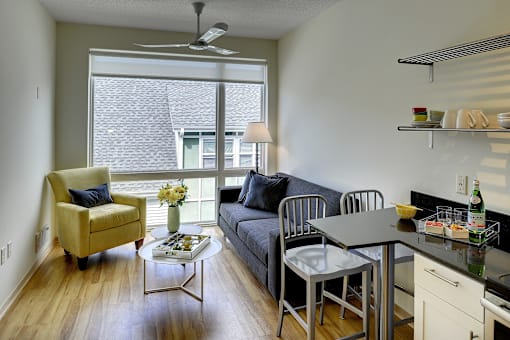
(173, 195)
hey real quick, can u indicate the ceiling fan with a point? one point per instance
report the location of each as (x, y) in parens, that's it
(201, 42)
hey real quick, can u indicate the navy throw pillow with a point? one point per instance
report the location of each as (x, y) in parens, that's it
(265, 193)
(246, 186)
(92, 197)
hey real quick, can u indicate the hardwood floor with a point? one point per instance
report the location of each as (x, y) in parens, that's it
(106, 301)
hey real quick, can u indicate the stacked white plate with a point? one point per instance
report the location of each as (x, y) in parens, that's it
(504, 120)
(426, 124)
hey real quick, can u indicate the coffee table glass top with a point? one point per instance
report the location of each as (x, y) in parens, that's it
(210, 250)
(162, 232)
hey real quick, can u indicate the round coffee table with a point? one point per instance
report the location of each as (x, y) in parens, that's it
(162, 232)
(145, 252)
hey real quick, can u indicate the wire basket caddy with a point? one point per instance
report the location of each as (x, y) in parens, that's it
(492, 230)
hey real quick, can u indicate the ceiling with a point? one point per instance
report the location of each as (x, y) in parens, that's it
(269, 19)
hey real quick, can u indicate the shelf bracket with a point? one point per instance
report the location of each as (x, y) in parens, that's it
(431, 139)
(431, 73)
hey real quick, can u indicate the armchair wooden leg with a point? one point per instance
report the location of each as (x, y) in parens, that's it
(139, 243)
(82, 262)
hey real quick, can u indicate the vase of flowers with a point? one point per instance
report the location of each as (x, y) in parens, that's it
(174, 219)
(174, 196)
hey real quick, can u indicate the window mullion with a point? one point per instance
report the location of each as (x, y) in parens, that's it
(220, 132)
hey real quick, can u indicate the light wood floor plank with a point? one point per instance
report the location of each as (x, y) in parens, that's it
(106, 301)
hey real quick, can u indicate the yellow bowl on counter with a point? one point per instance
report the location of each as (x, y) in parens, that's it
(406, 211)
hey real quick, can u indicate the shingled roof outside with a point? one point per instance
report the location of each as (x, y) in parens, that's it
(135, 118)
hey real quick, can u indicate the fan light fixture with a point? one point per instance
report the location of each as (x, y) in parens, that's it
(201, 42)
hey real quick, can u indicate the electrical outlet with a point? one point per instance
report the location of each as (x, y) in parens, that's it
(9, 249)
(2, 256)
(37, 241)
(461, 184)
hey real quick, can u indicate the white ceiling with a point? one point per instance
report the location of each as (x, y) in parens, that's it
(269, 19)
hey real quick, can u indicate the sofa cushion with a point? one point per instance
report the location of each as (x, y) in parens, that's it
(246, 186)
(255, 235)
(233, 213)
(265, 193)
(112, 215)
(92, 197)
(298, 186)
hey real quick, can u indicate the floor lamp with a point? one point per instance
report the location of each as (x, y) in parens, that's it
(256, 132)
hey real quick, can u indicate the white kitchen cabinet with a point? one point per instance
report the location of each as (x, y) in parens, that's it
(446, 303)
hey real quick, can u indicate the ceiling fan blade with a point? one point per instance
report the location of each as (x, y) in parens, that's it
(162, 45)
(214, 32)
(220, 50)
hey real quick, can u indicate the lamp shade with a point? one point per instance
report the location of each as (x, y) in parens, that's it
(256, 132)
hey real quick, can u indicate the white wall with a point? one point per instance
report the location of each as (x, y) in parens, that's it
(342, 95)
(27, 61)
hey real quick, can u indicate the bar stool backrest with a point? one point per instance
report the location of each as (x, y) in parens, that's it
(294, 211)
(353, 202)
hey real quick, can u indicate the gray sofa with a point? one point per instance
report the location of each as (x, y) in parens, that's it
(255, 234)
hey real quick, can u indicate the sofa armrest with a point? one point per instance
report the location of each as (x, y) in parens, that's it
(128, 199)
(228, 193)
(136, 201)
(274, 263)
(73, 228)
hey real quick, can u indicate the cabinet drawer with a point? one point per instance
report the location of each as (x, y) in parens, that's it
(457, 289)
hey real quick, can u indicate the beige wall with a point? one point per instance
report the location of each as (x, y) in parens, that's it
(27, 61)
(73, 44)
(342, 95)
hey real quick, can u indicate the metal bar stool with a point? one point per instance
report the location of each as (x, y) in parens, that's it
(354, 202)
(316, 263)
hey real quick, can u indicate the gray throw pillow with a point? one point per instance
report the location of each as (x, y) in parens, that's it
(265, 193)
(92, 197)
(246, 185)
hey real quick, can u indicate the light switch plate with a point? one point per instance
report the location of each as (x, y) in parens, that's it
(9, 249)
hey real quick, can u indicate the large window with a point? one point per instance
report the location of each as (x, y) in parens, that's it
(151, 124)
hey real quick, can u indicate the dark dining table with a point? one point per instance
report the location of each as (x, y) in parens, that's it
(384, 228)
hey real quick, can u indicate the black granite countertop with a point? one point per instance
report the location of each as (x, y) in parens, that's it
(384, 227)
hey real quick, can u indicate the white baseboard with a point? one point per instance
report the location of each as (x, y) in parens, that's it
(19, 288)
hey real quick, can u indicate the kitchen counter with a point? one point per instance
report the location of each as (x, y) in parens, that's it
(475, 262)
(385, 228)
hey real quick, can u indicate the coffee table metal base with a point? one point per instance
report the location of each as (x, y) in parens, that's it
(181, 286)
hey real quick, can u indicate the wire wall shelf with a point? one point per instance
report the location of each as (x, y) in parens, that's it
(458, 51)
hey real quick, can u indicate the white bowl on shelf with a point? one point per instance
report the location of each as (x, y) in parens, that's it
(503, 115)
(504, 123)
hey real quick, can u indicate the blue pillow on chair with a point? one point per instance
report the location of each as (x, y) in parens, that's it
(265, 192)
(92, 197)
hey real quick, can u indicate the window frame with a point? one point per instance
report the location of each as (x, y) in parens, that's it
(220, 172)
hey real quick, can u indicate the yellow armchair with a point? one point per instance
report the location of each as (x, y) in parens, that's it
(84, 231)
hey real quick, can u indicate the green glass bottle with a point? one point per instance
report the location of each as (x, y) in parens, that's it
(476, 215)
